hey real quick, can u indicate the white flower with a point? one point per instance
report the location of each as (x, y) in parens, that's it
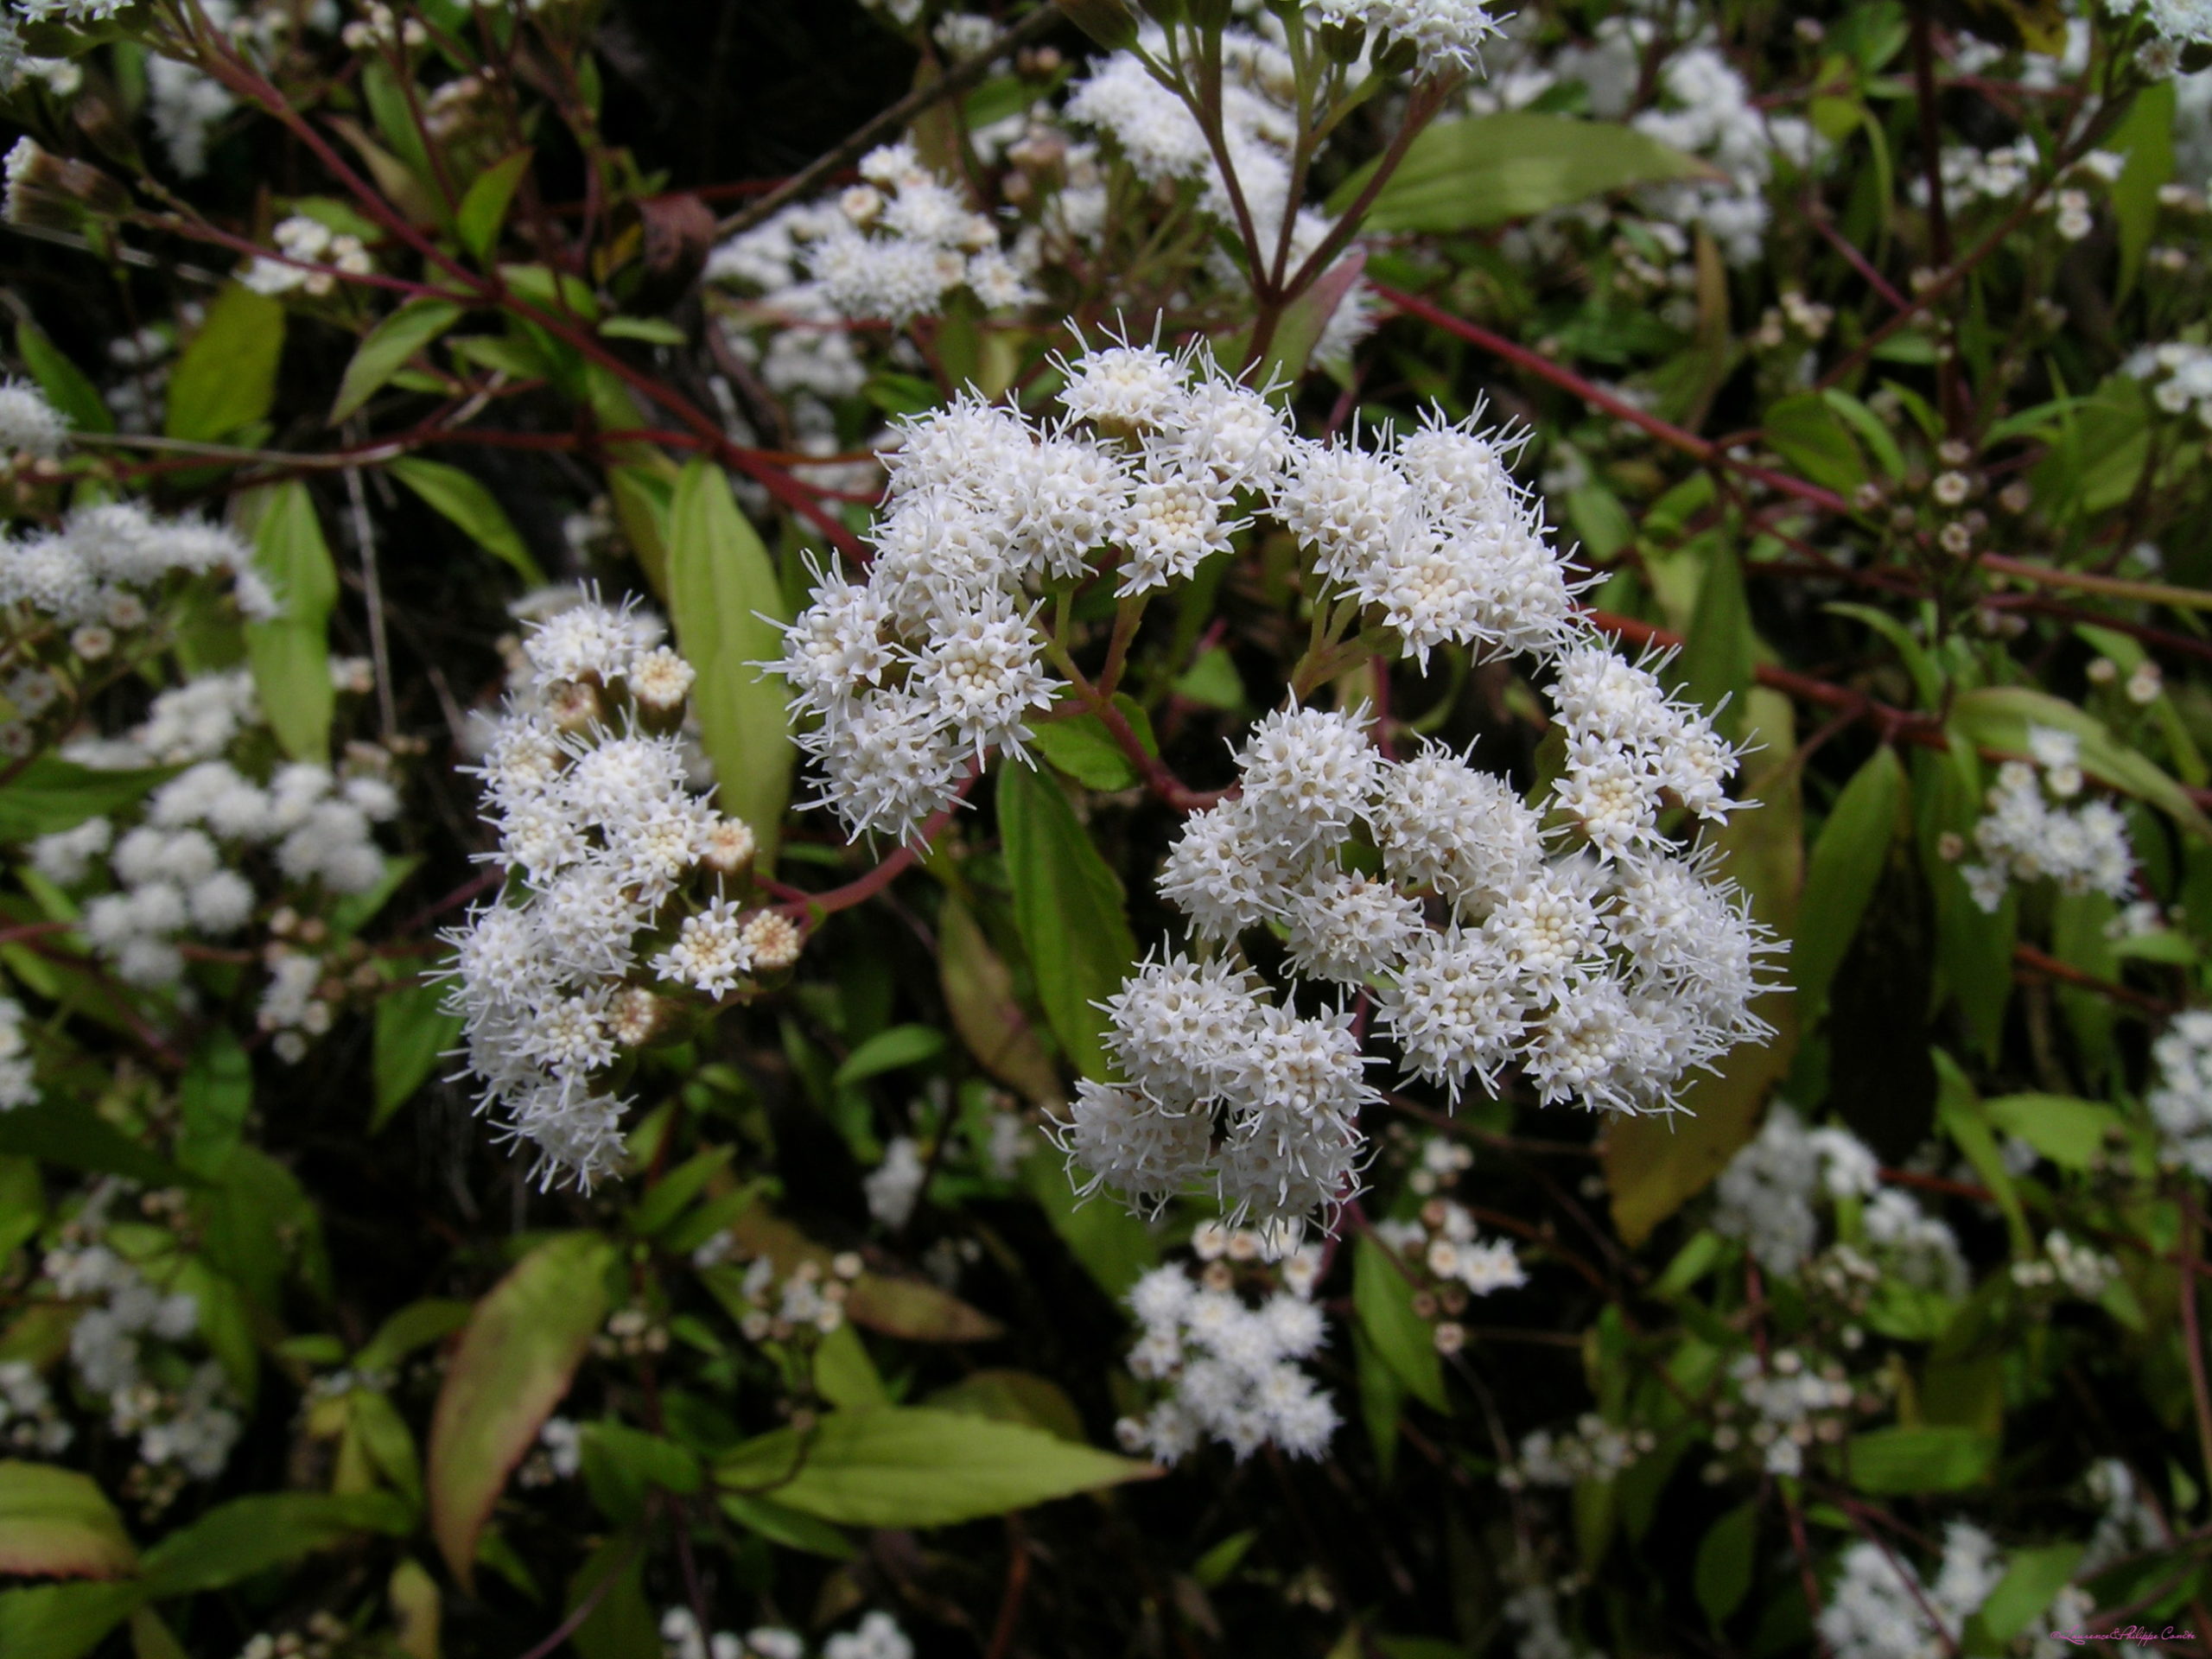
(30, 425)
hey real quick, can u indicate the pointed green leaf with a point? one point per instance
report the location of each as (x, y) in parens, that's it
(911, 1466)
(247, 1535)
(1841, 877)
(291, 654)
(213, 1097)
(1069, 910)
(413, 1028)
(66, 385)
(723, 597)
(484, 207)
(389, 347)
(890, 1051)
(1383, 1300)
(1889, 1461)
(52, 794)
(63, 1621)
(466, 504)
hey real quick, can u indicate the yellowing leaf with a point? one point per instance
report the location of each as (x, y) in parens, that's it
(513, 1365)
(57, 1523)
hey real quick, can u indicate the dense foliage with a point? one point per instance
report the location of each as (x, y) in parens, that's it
(1173, 828)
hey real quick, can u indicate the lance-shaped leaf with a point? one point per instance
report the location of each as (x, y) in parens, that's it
(386, 348)
(52, 794)
(723, 593)
(1069, 908)
(1845, 866)
(227, 377)
(466, 504)
(291, 653)
(979, 993)
(514, 1361)
(235, 1540)
(911, 1466)
(56, 1524)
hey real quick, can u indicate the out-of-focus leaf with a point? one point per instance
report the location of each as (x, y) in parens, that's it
(913, 1309)
(1891, 1461)
(910, 1467)
(2145, 136)
(247, 1535)
(725, 601)
(979, 993)
(412, 1327)
(1846, 865)
(1816, 441)
(66, 385)
(51, 794)
(213, 1097)
(624, 1466)
(56, 1524)
(788, 1527)
(2032, 1578)
(1998, 716)
(413, 1028)
(1927, 678)
(63, 1621)
(514, 1363)
(466, 504)
(667, 1197)
(1723, 1573)
(1069, 908)
(69, 1133)
(1716, 662)
(416, 1610)
(1113, 1246)
(386, 349)
(620, 1624)
(844, 1374)
(291, 653)
(1383, 1300)
(2067, 1131)
(1485, 169)
(226, 378)
(1966, 1120)
(1013, 1397)
(890, 1051)
(152, 1639)
(484, 207)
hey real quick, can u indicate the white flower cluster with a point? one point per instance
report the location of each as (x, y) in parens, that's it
(28, 424)
(1447, 36)
(1606, 979)
(192, 1427)
(893, 1185)
(1879, 1609)
(180, 870)
(1704, 107)
(2184, 22)
(18, 1073)
(1164, 144)
(783, 1304)
(904, 238)
(681, 1638)
(610, 855)
(2181, 374)
(2181, 1099)
(28, 1419)
(1445, 1240)
(1920, 1249)
(1792, 1405)
(2082, 1270)
(2029, 831)
(1232, 1367)
(1764, 1197)
(1592, 1449)
(97, 569)
(310, 242)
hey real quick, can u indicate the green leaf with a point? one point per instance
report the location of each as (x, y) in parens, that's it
(467, 505)
(1806, 431)
(788, 1527)
(1082, 748)
(668, 1196)
(1959, 1110)
(56, 1524)
(213, 1097)
(1871, 430)
(1068, 908)
(1485, 169)
(2067, 1131)
(484, 207)
(890, 1051)
(1716, 662)
(247, 1535)
(1845, 864)
(2032, 1576)
(413, 1028)
(1114, 1247)
(1998, 717)
(1212, 1569)
(226, 378)
(66, 385)
(1892, 1461)
(70, 1134)
(514, 1363)
(1383, 1300)
(911, 1466)
(620, 1624)
(390, 1443)
(291, 654)
(2145, 136)
(1725, 1556)
(1927, 678)
(1012, 1397)
(389, 347)
(654, 331)
(623, 1465)
(412, 1327)
(52, 794)
(724, 599)
(63, 1621)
